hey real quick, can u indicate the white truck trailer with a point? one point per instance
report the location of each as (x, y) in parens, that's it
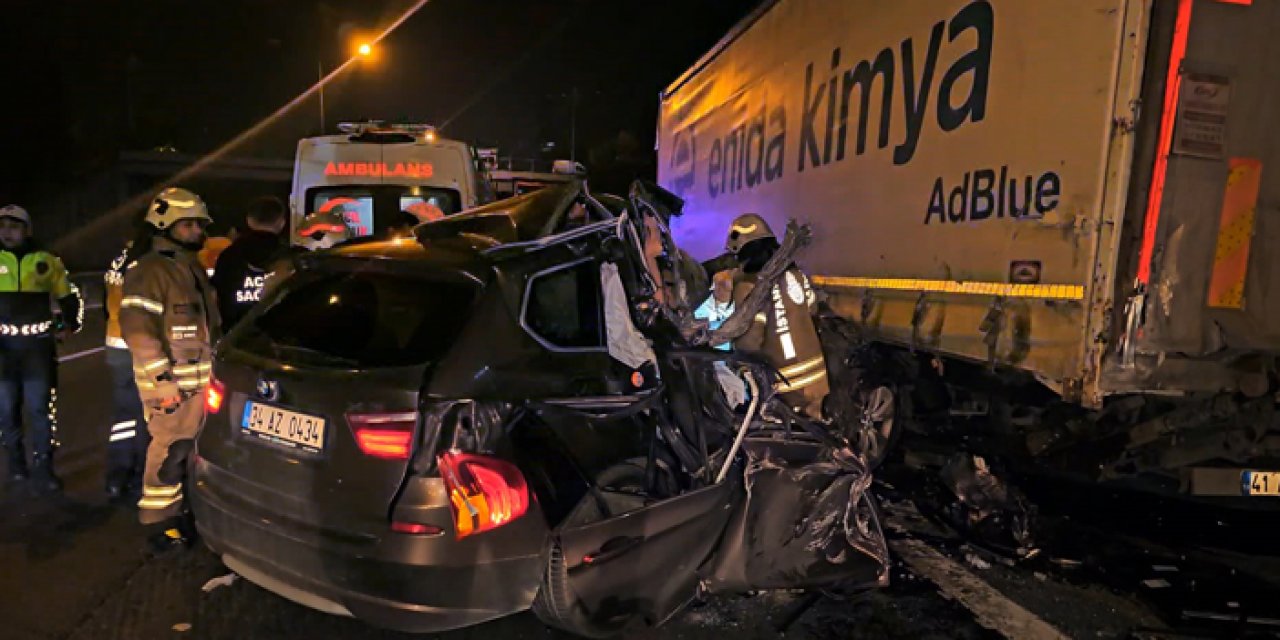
(1076, 198)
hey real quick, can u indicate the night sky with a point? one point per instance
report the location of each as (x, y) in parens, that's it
(86, 79)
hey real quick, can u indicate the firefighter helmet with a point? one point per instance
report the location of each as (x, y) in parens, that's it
(746, 228)
(175, 204)
(15, 212)
(323, 230)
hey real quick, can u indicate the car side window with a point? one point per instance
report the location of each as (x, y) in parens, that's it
(563, 307)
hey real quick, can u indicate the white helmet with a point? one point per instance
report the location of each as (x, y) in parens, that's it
(174, 204)
(322, 230)
(15, 212)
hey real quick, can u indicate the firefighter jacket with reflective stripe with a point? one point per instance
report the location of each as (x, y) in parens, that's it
(27, 281)
(784, 334)
(113, 286)
(169, 318)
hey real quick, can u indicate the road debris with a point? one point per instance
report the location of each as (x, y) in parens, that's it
(220, 581)
(182, 627)
(987, 507)
(976, 562)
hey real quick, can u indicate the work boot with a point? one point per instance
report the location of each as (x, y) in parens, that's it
(17, 464)
(117, 488)
(174, 533)
(42, 474)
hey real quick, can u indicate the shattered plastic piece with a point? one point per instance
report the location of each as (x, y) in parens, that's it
(1233, 605)
(220, 581)
(1164, 567)
(1040, 576)
(1066, 562)
(182, 627)
(976, 562)
(1156, 583)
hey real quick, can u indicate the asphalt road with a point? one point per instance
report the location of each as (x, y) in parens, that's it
(77, 567)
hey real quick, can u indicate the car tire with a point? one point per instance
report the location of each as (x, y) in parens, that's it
(555, 604)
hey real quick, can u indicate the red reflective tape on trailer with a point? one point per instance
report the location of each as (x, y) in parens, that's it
(1173, 83)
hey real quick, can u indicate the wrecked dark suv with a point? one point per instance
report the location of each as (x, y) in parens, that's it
(513, 410)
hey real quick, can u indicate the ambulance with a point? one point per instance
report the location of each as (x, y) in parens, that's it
(380, 177)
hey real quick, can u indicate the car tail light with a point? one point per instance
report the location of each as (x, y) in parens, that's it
(485, 492)
(214, 394)
(384, 435)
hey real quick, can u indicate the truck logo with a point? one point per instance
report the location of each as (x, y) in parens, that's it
(684, 161)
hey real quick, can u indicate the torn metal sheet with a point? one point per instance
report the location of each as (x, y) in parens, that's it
(808, 521)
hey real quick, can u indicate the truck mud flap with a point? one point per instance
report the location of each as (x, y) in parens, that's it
(809, 521)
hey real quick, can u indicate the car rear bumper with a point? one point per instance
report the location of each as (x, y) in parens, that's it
(367, 584)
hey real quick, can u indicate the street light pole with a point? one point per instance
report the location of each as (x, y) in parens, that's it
(320, 81)
(573, 125)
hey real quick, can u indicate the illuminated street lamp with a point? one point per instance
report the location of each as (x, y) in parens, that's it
(364, 50)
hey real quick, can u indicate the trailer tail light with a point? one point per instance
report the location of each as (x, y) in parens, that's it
(214, 395)
(485, 492)
(384, 435)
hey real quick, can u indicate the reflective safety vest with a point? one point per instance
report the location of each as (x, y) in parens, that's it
(113, 286)
(27, 282)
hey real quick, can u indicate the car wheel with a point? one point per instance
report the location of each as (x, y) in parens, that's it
(555, 604)
(880, 426)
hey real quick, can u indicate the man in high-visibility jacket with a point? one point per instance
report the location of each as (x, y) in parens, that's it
(29, 277)
(785, 335)
(128, 438)
(169, 318)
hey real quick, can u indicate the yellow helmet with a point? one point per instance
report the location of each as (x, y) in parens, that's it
(322, 230)
(746, 228)
(174, 204)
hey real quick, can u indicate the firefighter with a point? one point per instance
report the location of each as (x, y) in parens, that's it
(241, 272)
(29, 277)
(784, 334)
(127, 439)
(169, 318)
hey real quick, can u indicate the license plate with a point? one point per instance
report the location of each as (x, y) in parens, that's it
(283, 427)
(1260, 483)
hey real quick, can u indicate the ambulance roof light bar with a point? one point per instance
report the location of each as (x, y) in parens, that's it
(417, 130)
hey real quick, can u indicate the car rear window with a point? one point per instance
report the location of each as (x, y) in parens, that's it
(360, 319)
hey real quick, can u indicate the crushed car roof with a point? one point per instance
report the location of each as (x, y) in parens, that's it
(519, 219)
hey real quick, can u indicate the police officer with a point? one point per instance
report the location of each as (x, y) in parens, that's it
(785, 334)
(242, 268)
(169, 318)
(29, 276)
(127, 439)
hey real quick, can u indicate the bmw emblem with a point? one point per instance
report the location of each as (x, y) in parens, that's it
(268, 389)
